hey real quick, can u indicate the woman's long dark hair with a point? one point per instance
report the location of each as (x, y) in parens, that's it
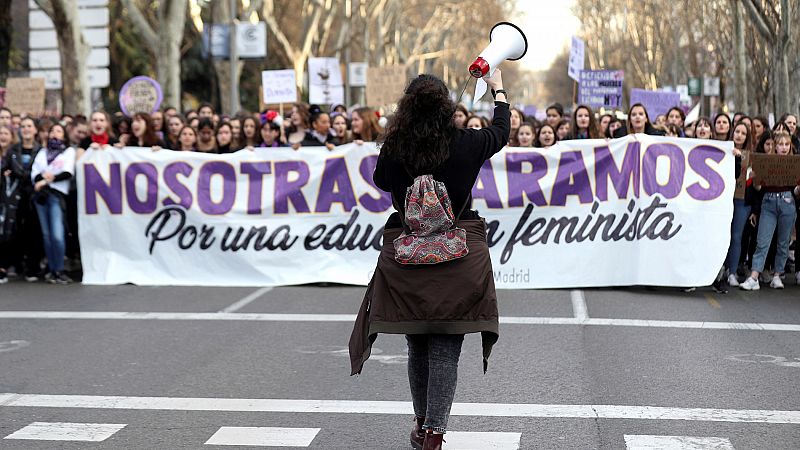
(419, 132)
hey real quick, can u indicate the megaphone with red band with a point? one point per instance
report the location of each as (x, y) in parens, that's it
(506, 42)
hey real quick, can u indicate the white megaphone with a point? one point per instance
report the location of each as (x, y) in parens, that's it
(506, 41)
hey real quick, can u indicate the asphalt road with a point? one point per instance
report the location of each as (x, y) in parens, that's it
(662, 365)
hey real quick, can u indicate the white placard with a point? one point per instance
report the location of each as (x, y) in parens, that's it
(279, 86)
(325, 84)
(639, 210)
(576, 58)
(357, 74)
(711, 86)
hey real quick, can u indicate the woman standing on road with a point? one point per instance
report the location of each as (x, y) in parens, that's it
(436, 299)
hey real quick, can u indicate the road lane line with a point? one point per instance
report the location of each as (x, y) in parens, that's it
(264, 436)
(246, 301)
(63, 431)
(483, 440)
(403, 408)
(579, 304)
(712, 301)
(652, 442)
(509, 320)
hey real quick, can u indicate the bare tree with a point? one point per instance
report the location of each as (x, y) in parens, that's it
(164, 41)
(74, 52)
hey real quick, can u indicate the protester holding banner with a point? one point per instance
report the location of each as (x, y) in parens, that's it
(27, 246)
(251, 133)
(777, 214)
(187, 140)
(320, 134)
(299, 124)
(434, 304)
(9, 202)
(51, 172)
(677, 117)
(545, 136)
(271, 135)
(364, 125)
(702, 128)
(175, 124)
(224, 136)
(100, 133)
(584, 125)
(340, 129)
(741, 206)
(525, 135)
(638, 122)
(722, 127)
(206, 136)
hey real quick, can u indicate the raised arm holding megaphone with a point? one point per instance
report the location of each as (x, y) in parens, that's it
(506, 41)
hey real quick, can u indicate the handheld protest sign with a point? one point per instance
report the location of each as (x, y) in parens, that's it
(140, 94)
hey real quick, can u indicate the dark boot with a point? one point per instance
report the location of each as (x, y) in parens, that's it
(418, 434)
(433, 441)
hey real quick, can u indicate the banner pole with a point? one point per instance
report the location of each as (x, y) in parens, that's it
(286, 139)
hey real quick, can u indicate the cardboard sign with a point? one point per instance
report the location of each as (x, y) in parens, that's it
(25, 95)
(385, 85)
(278, 86)
(656, 102)
(775, 170)
(741, 178)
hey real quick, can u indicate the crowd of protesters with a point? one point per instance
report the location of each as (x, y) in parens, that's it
(38, 199)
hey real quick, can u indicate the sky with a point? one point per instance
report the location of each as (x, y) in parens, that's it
(548, 26)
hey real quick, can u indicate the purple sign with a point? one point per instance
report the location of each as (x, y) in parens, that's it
(656, 102)
(140, 94)
(601, 88)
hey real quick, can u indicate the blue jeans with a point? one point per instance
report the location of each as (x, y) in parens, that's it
(741, 212)
(51, 219)
(777, 212)
(432, 375)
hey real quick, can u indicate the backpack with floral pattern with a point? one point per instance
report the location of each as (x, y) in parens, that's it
(429, 232)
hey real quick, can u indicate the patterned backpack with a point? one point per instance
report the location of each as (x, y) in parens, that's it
(429, 233)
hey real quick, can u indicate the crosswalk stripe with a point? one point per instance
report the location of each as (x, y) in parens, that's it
(264, 436)
(400, 408)
(505, 320)
(464, 440)
(64, 431)
(651, 442)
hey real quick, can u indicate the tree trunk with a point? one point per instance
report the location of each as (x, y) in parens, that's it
(742, 98)
(74, 52)
(172, 18)
(6, 33)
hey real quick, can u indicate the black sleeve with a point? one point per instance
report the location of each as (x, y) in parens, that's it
(63, 176)
(494, 137)
(38, 178)
(379, 176)
(85, 143)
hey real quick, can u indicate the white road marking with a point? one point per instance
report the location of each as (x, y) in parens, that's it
(767, 359)
(401, 407)
(258, 317)
(246, 301)
(647, 442)
(579, 304)
(62, 431)
(461, 440)
(264, 436)
(10, 346)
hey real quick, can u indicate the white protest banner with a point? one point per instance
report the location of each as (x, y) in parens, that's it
(325, 85)
(576, 58)
(278, 86)
(639, 210)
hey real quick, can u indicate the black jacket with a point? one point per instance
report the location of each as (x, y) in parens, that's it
(15, 160)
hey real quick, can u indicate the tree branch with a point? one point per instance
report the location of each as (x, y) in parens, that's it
(46, 6)
(759, 20)
(140, 24)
